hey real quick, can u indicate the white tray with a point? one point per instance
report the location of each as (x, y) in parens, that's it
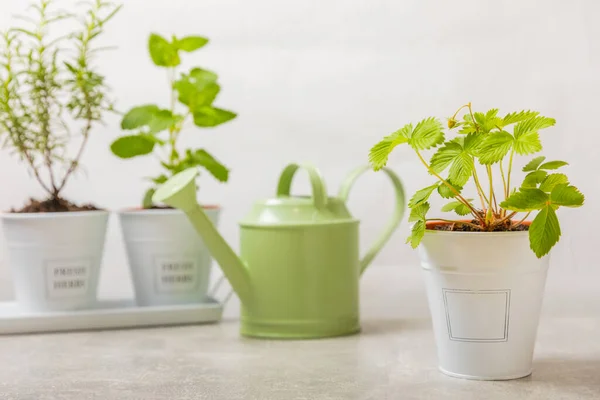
(109, 314)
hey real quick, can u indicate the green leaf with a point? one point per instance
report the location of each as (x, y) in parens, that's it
(417, 233)
(203, 158)
(453, 153)
(162, 120)
(197, 89)
(472, 142)
(132, 146)
(565, 195)
(147, 202)
(422, 195)
(159, 180)
(379, 153)
(163, 53)
(139, 116)
(446, 192)
(190, 43)
(427, 134)
(527, 139)
(495, 147)
(552, 180)
(526, 200)
(458, 207)
(534, 164)
(518, 117)
(488, 121)
(553, 165)
(544, 231)
(533, 179)
(445, 155)
(208, 117)
(419, 213)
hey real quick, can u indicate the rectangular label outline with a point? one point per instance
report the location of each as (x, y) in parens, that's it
(46, 263)
(155, 258)
(506, 292)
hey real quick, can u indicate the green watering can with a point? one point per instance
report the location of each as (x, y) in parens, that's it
(297, 275)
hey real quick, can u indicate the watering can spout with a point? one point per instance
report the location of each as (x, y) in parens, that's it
(180, 192)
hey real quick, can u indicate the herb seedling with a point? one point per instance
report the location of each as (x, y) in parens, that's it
(47, 85)
(155, 127)
(483, 138)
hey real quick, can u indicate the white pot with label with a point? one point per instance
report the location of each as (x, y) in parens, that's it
(169, 262)
(485, 292)
(55, 258)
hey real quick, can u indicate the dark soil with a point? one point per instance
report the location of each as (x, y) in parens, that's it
(53, 205)
(159, 208)
(457, 227)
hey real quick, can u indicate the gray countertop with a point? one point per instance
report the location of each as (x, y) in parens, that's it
(392, 358)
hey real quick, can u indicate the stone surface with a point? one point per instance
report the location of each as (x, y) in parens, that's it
(392, 358)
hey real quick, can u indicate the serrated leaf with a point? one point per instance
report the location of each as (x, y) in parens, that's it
(190, 43)
(544, 232)
(419, 212)
(527, 139)
(552, 180)
(494, 147)
(526, 200)
(379, 153)
(515, 117)
(139, 116)
(461, 169)
(208, 117)
(566, 195)
(427, 134)
(132, 146)
(553, 165)
(422, 195)
(416, 234)
(446, 192)
(163, 53)
(147, 201)
(453, 153)
(490, 120)
(472, 142)
(445, 155)
(533, 179)
(458, 207)
(534, 164)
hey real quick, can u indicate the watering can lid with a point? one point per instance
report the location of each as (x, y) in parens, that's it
(288, 210)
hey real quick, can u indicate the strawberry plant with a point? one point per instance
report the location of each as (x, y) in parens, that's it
(482, 154)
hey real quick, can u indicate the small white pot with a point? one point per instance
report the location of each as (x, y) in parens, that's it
(55, 258)
(169, 262)
(485, 294)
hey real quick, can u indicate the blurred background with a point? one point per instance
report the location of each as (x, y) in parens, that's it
(322, 81)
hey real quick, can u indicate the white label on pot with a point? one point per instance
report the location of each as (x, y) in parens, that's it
(477, 315)
(176, 275)
(67, 278)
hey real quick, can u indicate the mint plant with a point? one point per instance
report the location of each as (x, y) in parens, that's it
(50, 89)
(484, 142)
(157, 129)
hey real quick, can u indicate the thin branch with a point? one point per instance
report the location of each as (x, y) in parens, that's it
(523, 220)
(480, 190)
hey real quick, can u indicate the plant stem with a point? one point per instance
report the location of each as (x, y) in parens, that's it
(457, 194)
(480, 190)
(172, 128)
(502, 211)
(456, 222)
(492, 197)
(510, 163)
(509, 216)
(523, 220)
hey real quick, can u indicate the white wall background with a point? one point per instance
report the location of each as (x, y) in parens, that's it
(322, 81)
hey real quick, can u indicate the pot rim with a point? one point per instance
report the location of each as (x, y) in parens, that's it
(155, 211)
(473, 234)
(51, 215)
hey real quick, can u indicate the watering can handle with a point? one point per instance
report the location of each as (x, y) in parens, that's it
(394, 221)
(319, 190)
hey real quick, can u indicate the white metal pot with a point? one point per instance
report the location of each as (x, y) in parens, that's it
(485, 294)
(55, 258)
(169, 262)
